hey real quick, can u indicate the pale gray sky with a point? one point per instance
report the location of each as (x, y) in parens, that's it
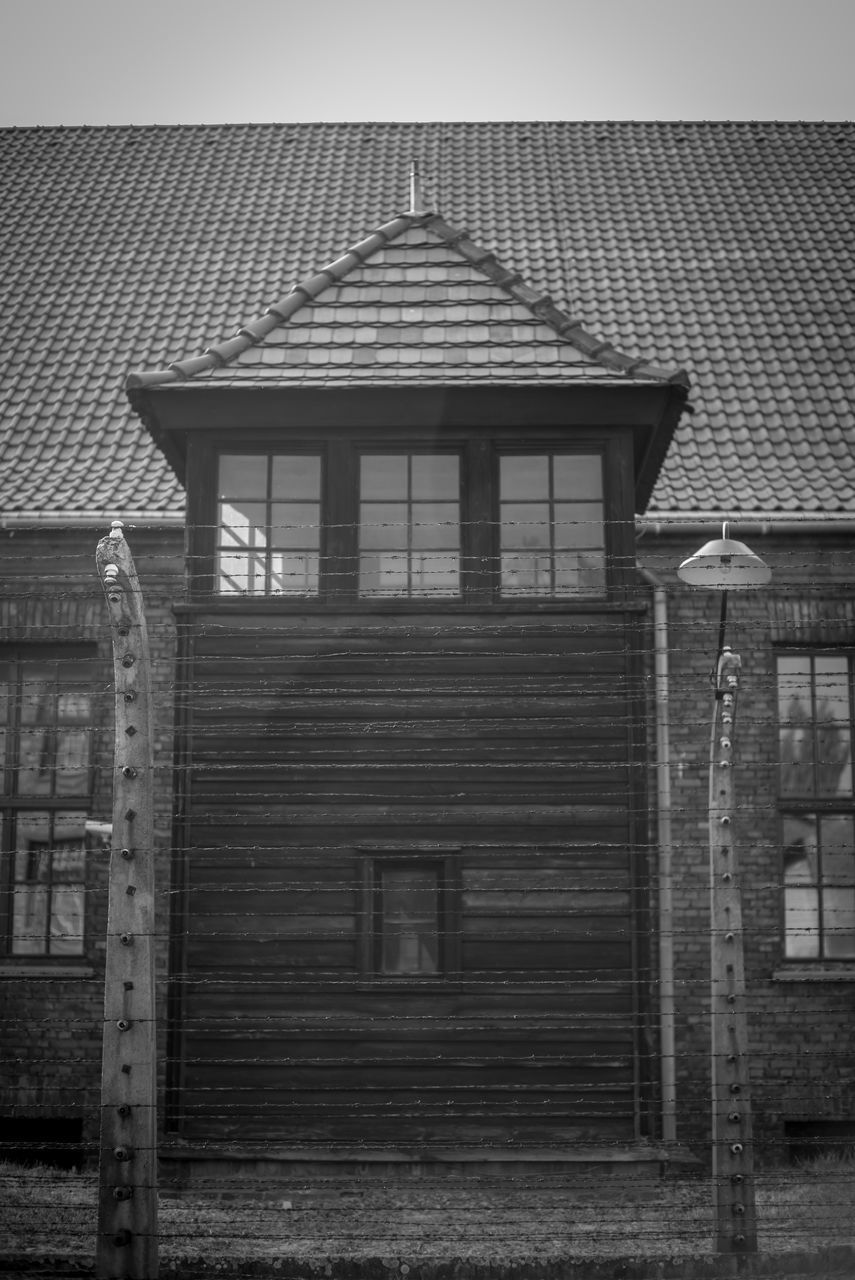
(188, 61)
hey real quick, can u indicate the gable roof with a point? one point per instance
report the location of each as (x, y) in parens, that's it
(722, 248)
(416, 301)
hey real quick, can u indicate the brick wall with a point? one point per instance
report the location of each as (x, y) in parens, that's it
(801, 1038)
(51, 1014)
(802, 1044)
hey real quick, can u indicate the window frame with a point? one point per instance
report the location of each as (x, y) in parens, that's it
(14, 802)
(812, 805)
(479, 449)
(373, 860)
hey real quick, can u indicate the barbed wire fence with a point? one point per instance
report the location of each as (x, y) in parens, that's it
(409, 944)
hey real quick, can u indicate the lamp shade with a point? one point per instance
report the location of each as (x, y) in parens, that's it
(725, 565)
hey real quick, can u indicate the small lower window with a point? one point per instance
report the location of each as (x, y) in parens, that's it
(407, 918)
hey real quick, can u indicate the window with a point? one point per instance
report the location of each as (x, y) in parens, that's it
(552, 524)
(476, 520)
(409, 524)
(269, 524)
(407, 918)
(410, 914)
(46, 719)
(815, 718)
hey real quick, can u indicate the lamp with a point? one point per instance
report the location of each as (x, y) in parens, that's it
(724, 565)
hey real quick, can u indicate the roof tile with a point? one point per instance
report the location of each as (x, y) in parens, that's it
(730, 258)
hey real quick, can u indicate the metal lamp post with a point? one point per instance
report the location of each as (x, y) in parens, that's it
(726, 565)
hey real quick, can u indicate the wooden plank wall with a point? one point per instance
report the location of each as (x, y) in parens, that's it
(315, 743)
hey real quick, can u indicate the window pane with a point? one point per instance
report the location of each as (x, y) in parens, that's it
(384, 573)
(524, 477)
(243, 475)
(796, 731)
(409, 917)
(526, 573)
(838, 849)
(435, 573)
(435, 475)
(241, 573)
(29, 919)
(800, 849)
(525, 525)
(383, 476)
(832, 689)
(580, 574)
(296, 476)
(295, 524)
(436, 525)
(578, 475)
(66, 920)
(243, 524)
(834, 761)
(838, 919)
(801, 922)
(794, 690)
(383, 526)
(579, 524)
(294, 573)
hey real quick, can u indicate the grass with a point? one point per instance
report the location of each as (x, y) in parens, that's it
(49, 1212)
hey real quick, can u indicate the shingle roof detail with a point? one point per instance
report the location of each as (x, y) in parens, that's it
(722, 248)
(416, 301)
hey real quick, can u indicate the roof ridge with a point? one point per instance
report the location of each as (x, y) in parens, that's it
(569, 329)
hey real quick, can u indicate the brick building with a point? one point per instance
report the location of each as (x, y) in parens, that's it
(604, 268)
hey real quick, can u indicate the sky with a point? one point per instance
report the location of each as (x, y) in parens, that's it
(96, 62)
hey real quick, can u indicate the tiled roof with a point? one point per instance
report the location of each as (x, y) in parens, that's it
(724, 249)
(414, 302)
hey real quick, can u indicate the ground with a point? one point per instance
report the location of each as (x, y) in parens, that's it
(442, 1226)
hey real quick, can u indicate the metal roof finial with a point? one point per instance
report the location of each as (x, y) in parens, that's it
(417, 204)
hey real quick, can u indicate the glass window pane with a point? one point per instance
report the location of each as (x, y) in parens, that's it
(243, 475)
(383, 573)
(525, 525)
(295, 524)
(832, 688)
(838, 849)
(523, 477)
(794, 690)
(29, 919)
(526, 573)
(35, 772)
(383, 476)
(243, 524)
(435, 573)
(296, 476)
(435, 475)
(801, 923)
(578, 475)
(838, 920)
(796, 757)
(409, 913)
(66, 920)
(800, 849)
(833, 761)
(294, 573)
(580, 573)
(579, 524)
(383, 526)
(241, 573)
(436, 525)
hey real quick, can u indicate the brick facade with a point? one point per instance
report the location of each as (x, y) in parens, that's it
(802, 1063)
